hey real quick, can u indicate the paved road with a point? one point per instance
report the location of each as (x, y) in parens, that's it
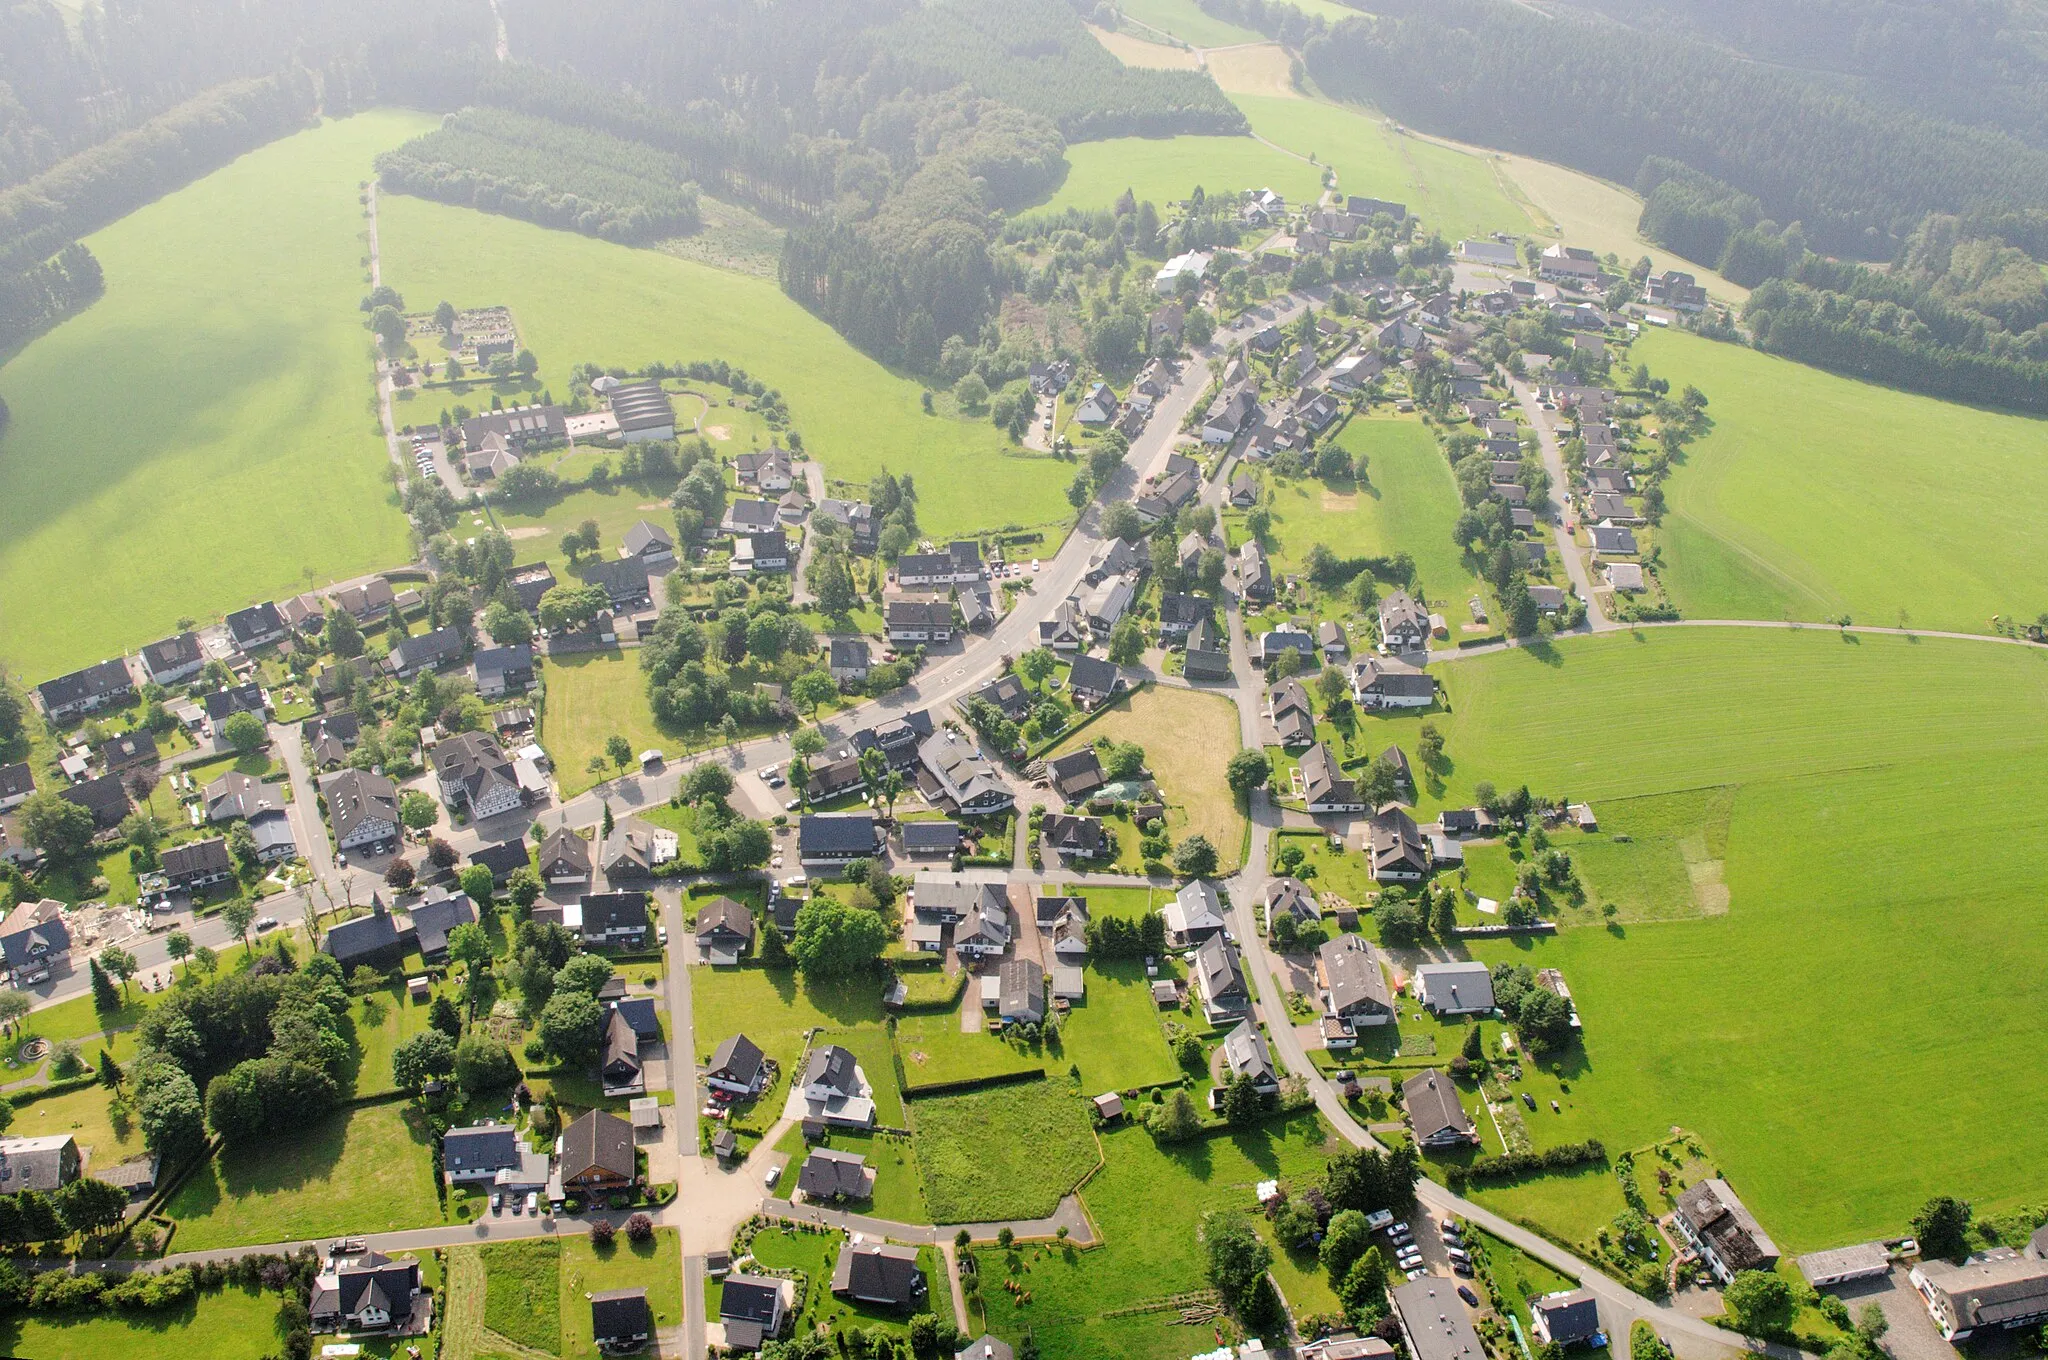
(1575, 564)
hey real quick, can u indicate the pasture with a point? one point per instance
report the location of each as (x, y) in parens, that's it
(1188, 738)
(234, 1321)
(1816, 496)
(1851, 963)
(577, 299)
(202, 437)
(1162, 170)
(1004, 1152)
(1187, 21)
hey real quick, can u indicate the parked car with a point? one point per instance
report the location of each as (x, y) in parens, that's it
(770, 1176)
(532, 1202)
(515, 1204)
(1456, 1253)
(1465, 1293)
(497, 1201)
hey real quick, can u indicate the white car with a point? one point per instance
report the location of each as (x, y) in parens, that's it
(770, 1176)
(1034, 566)
(532, 1202)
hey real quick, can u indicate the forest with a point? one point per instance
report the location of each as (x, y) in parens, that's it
(1857, 175)
(576, 178)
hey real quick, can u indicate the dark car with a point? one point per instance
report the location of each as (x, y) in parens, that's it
(1465, 1293)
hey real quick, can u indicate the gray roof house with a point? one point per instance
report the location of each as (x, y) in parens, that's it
(881, 1273)
(46, 1163)
(1245, 1055)
(1220, 981)
(1570, 1317)
(1454, 988)
(1434, 1111)
(828, 1175)
(1021, 992)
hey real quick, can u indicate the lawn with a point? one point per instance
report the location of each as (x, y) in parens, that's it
(1188, 738)
(1129, 903)
(1114, 1035)
(776, 1010)
(871, 1048)
(1163, 170)
(87, 1115)
(1518, 1276)
(1006, 1152)
(577, 300)
(815, 1254)
(655, 1266)
(523, 1292)
(234, 1321)
(240, 459)
(899, 1187)
(1816, 496)
(362, 1170)
(590, 698)
(1149, 1202)
(1845, 948)
(936, 1053)
(615, 508)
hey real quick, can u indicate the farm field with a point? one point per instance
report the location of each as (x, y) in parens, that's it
(1149, 1202)
(590, 697)
(1164, 169)
(1266, 69)
(357, 1170)
(1132, 50)
(979, 1165)
(201, 437)
(1843, 932)
(233, 1321)
(578, 300)
(1188, 738)
(1816, 495)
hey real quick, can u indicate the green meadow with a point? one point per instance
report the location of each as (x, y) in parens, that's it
(202, 437)
(576, 299)
(1815, 496)
(1163, 169)
(1186, 20)
(1862, 1003)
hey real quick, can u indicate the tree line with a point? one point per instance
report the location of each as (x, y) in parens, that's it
(1858, 174)
(33, 301)
(557, 175)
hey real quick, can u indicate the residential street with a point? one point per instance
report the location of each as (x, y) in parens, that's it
(1575, 558)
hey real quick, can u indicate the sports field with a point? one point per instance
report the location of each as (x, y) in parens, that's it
(202, 437)
(1866, 1008)
(1164, 169)
(1816, 495)
(577, 299)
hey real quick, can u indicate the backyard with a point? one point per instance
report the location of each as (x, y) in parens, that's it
(815, 1254)
(936, 1052)
(1114, 1035)
(1188, 738)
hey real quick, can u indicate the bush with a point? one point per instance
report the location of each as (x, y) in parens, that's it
(602, 1232)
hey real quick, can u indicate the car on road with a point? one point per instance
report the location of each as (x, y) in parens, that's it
(661, 933)
(264, 923)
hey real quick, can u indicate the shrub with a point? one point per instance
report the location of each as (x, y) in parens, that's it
(602, 1232)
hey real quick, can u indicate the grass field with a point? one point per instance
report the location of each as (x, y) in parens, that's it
(936, 1053)
(87, 1116)
(201, 437)
(655, 1266)
(591, 697)
(1816, 495)
(1602, 217)
(776, 1009)
(361, 1170)
(1149, 1201)
(1188, 738)
(523, 1292)
(1164, 169)
(1007, 1152)
(577, 299)
(1853, 963)
(1114, 1035)
(1186, 20)
(234, 1322)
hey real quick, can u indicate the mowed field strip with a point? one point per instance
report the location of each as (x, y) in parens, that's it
(577, 299)
(201, 437)
(1816, 495)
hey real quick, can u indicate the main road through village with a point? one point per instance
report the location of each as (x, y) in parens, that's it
(712, 1200)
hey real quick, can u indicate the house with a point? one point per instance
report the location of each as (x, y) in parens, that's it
(1717, 1225)
(428, 651)
(518, 426)
(1065, 630)
(830, 1073)
(33, 935)
(965, 777)
(137, 1175)
(105, 797)
(1285, 639)
(828, 1175)
(769, 470)
(989, 1347)
(725, 931)
(982, 925)
(502, 670)
(1561, 263)
(1192, 265)
(849, 661)
(764, 551)
(1008, 695)
(479, 1152)
(634, 851)
(332, 737)
(2000, 1289)
(879, 1273)
(1092, 681)
(17, 782)
(1115, 558)
(1354, 987)
(434, 919)
(1315, 410)
(1220, 981)
(620, 1319)
(502, 859)
(919, 620)
(835, 777)
(1324, 789)
(1164, 499)
(1436, 311)
(1611, 540)
(1072, 837)
(370, 1293)
(746, 516)
(1075, 775)
(1404, 624)
(595, 1154)
(1354, 371)
(1195, 915)
(753, 1308)
(1568, 1317)
(1394, 848)
(610, 919)
(1472, 821)
(1331, 641)
(376, 941)
(618, 1063)
(197, 865)
(1434, 1321)
(1206, 657)
(1291, 897)
(931, 840)
(475, 776)
(1368, 208)
(737, 1066)
(1020, 992)
(643, 412)
(1514, 493)
(363, 809)
(1674, 288)
(1099, 407)
(1435, 1113)
(835, 838)
(44, 1163)
(1254, 572)
(127, 751)
(624, 580)
(1230, 414)
(223, 704)
(1379, 683)
(106, 685)
(565, 860)
(257, 626)
(368, 601)
(173, 660)
(856, 517)
(1626, 577)
(640, 1013)
(1497, 253)
(1106, 605)
(1605, 505)
(1245, 1055)
(1454, 988)
(1548, 599)
(275, 839)
(1167, 321)
(1178, 613)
